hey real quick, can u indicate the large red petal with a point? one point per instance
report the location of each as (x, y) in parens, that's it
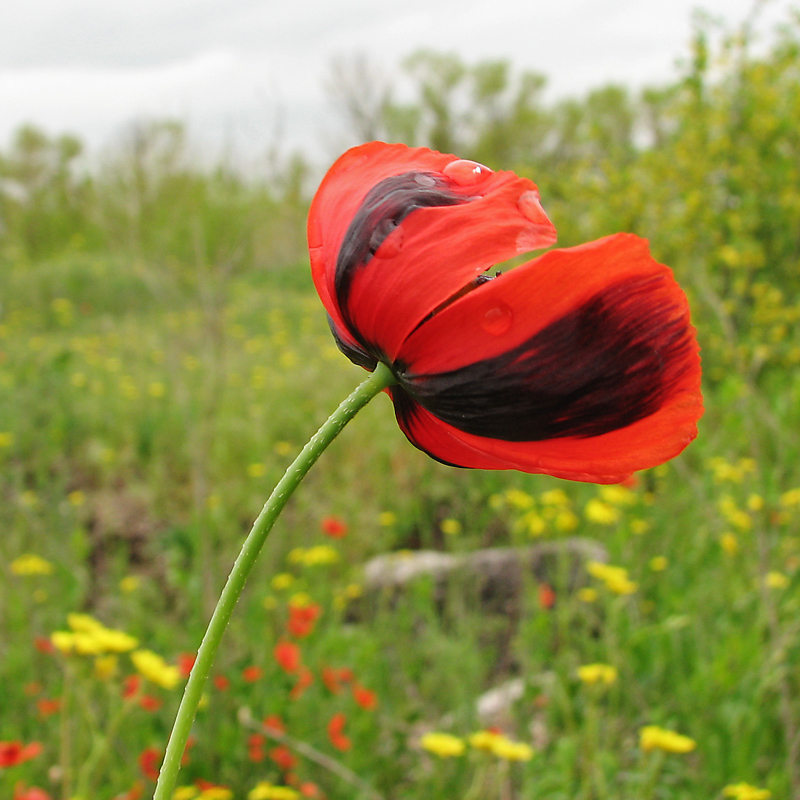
(507, 313)
(434, 253)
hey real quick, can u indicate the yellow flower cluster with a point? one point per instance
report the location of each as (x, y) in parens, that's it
(30, 564)
(209, 793)
(321, 554)
(155, 669)
(744, 791)
(446, 745)
(501, 746)
(267, 791)
(737, 517)
(592, 674)
(443, 745)
(651, 737)
(89, 637)
(724, 471)
(615, 578)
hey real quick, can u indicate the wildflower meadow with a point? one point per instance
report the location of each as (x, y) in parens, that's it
(163, 358)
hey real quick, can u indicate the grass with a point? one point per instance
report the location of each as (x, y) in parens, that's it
(145, 417)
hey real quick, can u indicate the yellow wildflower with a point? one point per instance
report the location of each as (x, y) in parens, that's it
(639, 526)
(76, 498)
(266, 791)
(257, 470)
(651, 737)
(443, 745)
(450, 527)
(587, 594)
(601, 512)
(658, 563)
(755, 502)
(83, 623)
(282, 448)
(185, 793)
(615, 578)
(617, 495)
(63, 641)
(790, 498)
(314, 556)
(6, 439)
(353, 590)
(592, 674)
(744, 791)
(386, 519)
(729, 543)
(776, 580)
(512, 751)
(155, 669)
(483, 740)
(518, 499)
(30, 564)
(283, 580)
(554, 497)
(215, 793)
(130, 583)
(105, 667)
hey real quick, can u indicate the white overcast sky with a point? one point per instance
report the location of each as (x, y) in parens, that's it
(244, 72)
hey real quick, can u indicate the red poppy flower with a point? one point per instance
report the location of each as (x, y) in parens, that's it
(335, 527)
(149, 762)
(302, 619)
(274, 724)
(252, 673)
(14, 753)
(547, 596)
(336, 732)
(581, 363)
(283, 757)
(287, 654)
(185, 663)
(47, 706)
(131, 686)
(304, 679)
(150, 703)
(30, 793)
(221, 683)
(364, 697)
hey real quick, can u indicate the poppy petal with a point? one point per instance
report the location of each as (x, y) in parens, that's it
(579, 354)
(416, 239)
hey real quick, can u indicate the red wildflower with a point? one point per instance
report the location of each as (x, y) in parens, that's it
(330, 679)
(131, 686)
(221, 682)
(547, 597)
(335, 527)
(32, 689)
(336, 732)
(150, 703)
(365, 697)
(287, 654)
(44, 645)
(252, 673)
(134, 793)
(304, 680)
(283, 757)
(47, 707)
(185, 663)
(274, 723)
(255, 747)
(302, 619)
(14, 753)
(581, 363)
(308, 789)
(190, 743)
(149, 762)
(31, 793)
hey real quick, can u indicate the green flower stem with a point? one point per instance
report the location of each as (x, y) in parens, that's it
(378, 380)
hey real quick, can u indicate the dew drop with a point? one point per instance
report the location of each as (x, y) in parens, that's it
(426, 181)
(390, 246)
(498, 319)
(466, 173)
(531, 208)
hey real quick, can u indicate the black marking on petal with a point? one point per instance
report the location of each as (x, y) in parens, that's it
(610, 362)
(386, 205)
(354, 353)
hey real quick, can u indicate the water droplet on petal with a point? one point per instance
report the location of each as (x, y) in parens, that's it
(426, 181)
(466, 173)
(531, 208)
(498, 319)
(390, 246)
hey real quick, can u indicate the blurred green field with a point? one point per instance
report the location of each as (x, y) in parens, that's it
(163, 356)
